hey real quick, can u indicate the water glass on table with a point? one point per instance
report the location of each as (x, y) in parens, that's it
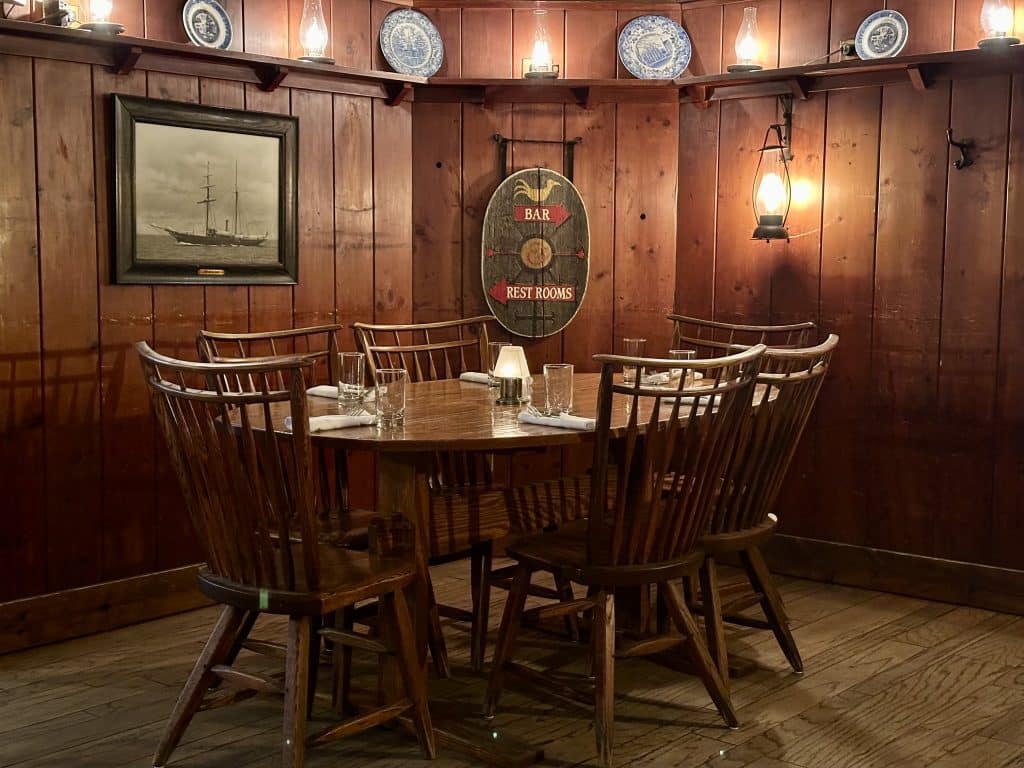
(558, 388)
(390, 383)
(683, 354)
(351, 372)
(493, 350)
(632, 348)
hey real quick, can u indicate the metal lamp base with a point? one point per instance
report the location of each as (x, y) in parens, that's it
(536, 74)
(510, 391)
(771, 227)
(317, 59)
(103, 27)
(997, 43)
(744, 68)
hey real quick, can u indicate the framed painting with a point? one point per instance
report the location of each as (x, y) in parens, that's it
(204, 195)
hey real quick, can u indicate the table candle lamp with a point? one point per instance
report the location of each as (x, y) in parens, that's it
(997, 21)
(99, 13)
(748, 47)
(513, 375)
(313, 34)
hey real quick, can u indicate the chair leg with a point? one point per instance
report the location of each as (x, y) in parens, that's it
(572, 624)
(705, 667)
(480, 573)
(216, 650)
(435, 636)
(413, 675)
(771, 603)
(510, 621)
(236, 646)
(603, 629)
(713, 625)
(341, 670)
(314, 662)
(296, 687)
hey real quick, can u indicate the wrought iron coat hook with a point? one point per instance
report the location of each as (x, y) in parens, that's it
(965, 147)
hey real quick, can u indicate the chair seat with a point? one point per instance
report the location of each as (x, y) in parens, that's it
(346, 576)
(564, 553)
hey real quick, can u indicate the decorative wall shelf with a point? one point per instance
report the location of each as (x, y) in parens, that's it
(123, 54)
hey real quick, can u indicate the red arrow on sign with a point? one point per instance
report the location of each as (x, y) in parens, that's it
(499, 291)
(556, 214)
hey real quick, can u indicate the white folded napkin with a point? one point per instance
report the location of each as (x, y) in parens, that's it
(564, 421)
(475, 378)
(327, 423)
(323, 390)
(657, 378)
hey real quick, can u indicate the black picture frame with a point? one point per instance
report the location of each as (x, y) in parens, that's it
(187, 267)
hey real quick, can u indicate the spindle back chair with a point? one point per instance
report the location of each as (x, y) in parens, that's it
(318, 343)
(647, 513)
(428, 351)
(247, 478)
(710, 338)
(742, 518)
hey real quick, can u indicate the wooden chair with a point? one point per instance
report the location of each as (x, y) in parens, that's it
(250, 493)
(742, 519)
(640, 531)
(468, 509)
(711, 338)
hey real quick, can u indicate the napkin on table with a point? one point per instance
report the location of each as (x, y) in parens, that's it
(564, 421)
(326, 390)
(340, 421)
(475, 378)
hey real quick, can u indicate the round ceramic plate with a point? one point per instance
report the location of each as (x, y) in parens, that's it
(882, 35)
(654, 48)
(207, 23)
(411, 43)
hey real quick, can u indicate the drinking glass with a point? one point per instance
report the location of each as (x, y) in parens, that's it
(683, 354)
(493, 350)
(351, 367)
(632, 348)
(390, 383)
(558, 388)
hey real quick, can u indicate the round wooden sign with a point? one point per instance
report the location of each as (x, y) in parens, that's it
(535, 258)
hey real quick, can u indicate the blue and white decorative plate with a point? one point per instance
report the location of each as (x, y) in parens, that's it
(654, 48)
(411, 43)
(882, 35)
(207, 24)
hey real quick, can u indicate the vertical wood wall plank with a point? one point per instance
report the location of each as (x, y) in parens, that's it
(437, 212)
(847, 16)
(350, 33)
(971, 287)
(905, 344)
(931, 24)
(392, 212)
(449, 25)
(847, 298)
(378, 10)
(70, 329)
(270, 306)
(226, 306)
(163, 21)
(704, 26)
(22, 459)
(178, 313)
(1009, 434)
(697, 210)
(486, 42)
(646, 177)
(126, 316)
(266, 27)
(803, 32)
(314, 293)
(590, 44)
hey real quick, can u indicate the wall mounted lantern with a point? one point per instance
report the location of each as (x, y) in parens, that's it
(772, 193)
(99, 19)
(748, 44)
(997, 21)
(313, 34)
(540, 63)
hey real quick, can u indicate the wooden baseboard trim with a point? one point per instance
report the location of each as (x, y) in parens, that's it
(72, 613)
(948, 581)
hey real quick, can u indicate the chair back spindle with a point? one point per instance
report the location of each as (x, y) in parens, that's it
(712, 338)
(428, 351)
(318, 343)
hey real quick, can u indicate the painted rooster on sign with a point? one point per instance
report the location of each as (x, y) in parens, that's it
(535, 194)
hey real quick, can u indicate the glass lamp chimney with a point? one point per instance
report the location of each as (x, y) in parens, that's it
(748, 44)
(997, 21)
(313, 33)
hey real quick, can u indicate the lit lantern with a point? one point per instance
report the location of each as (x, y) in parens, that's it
(513, 376)
(540, 63)
(99, 18)
(748, 44)
(313, 34)
(772, 191)
(997, 21)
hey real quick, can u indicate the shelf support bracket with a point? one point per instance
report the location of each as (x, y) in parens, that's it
(918, 78)
(798, 88)
(271, 76)
(397, 93)
(583, 98)
(699, 95)
(125, 59)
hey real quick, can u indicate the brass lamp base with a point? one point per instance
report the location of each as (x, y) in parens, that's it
(997, 43)
(744, 68)
(103, 27)
(510, 391)
(317, 59)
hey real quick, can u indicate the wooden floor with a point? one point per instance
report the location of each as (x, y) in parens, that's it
(890, 681)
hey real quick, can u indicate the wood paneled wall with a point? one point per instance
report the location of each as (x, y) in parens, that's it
(87, 494)
(918, 441)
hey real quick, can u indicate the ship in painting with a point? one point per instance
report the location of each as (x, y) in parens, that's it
(229, 236)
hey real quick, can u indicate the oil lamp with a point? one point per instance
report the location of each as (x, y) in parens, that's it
(313, 34)
(99, 19)
(997, 21)
(540, 64)
(748, 46)
(772, 191)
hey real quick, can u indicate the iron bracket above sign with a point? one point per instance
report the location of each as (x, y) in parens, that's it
(568, 149)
